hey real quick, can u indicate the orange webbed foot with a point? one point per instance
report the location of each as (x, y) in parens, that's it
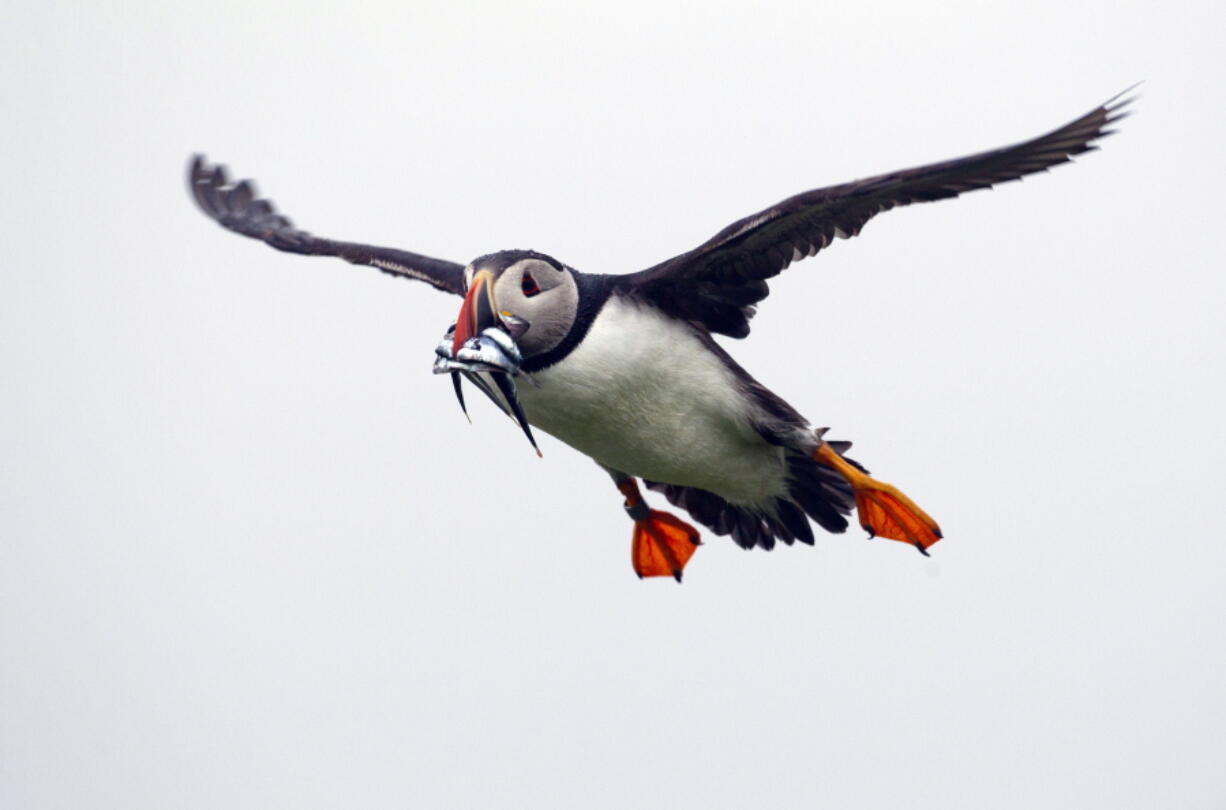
(662, 544)
(884, 510)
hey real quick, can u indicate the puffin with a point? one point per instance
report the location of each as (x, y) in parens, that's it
(625, 368)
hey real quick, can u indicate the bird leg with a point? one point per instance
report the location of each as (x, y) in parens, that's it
(661, 544)
(884, 511)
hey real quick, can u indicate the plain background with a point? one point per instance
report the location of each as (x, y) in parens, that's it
(254, 557)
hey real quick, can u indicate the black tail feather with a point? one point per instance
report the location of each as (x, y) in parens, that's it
(821, 492)
(793, 517)
(815, 492)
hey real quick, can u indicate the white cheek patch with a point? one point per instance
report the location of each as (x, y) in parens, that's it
(550, 314)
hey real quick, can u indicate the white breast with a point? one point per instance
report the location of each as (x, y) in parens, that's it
(643, 395)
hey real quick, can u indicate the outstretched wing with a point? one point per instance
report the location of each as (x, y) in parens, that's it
(236, 206)
(718, 283)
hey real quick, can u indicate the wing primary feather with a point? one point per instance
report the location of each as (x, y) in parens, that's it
(238, 208)
(698, 285)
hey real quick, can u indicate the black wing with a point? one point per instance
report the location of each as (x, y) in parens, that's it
(717, 283)
(235, 206)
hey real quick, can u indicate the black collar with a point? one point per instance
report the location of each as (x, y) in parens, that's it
(594, 290)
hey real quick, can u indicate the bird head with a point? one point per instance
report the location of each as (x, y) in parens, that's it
(533, 297)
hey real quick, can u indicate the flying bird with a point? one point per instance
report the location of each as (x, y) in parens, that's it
(624, 368)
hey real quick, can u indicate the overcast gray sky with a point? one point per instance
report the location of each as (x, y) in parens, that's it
(252, 555)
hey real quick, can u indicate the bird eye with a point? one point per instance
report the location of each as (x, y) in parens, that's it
(528, 285)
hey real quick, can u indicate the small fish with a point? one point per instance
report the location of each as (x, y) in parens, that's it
(490, 361)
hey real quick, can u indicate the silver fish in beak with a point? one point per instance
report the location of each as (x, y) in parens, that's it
(481, 348)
